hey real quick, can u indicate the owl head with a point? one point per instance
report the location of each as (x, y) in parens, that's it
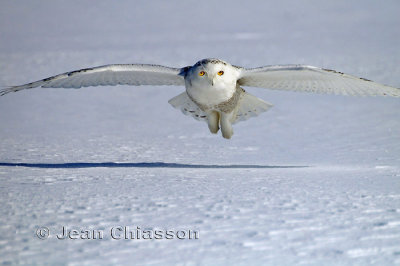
(212, 73)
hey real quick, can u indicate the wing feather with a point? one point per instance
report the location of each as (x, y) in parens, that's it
(312, 79)
(110, 75)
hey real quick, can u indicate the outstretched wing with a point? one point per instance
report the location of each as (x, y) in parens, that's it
(312, 79)
(108, 75)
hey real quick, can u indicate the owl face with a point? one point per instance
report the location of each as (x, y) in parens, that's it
(214, 74)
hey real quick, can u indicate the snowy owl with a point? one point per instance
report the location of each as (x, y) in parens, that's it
(214, 90)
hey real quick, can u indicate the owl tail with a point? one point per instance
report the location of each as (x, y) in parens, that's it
(188, 107)
(250, 106)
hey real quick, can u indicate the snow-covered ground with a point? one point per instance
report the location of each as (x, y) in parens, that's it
(315, 180)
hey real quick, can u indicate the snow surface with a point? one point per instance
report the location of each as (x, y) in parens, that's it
(315, 180)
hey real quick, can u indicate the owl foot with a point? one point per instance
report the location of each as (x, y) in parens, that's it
(213, 121)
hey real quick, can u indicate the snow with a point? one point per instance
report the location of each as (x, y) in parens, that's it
(315, 180)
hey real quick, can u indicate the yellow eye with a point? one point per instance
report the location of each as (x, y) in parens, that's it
(202, 73)
(221, 73)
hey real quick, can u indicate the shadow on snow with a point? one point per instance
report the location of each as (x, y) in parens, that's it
(145, 165)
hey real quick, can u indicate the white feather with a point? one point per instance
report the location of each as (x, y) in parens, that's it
(188, 107)
(109, 75)
(312, 79)
(250, 106)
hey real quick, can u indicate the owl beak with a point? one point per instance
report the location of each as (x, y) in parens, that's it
(213, 81)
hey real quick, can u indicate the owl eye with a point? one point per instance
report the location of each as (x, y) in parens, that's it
(202, 73)
(220, 73)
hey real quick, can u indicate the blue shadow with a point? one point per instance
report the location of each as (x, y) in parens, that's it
(145, 165)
